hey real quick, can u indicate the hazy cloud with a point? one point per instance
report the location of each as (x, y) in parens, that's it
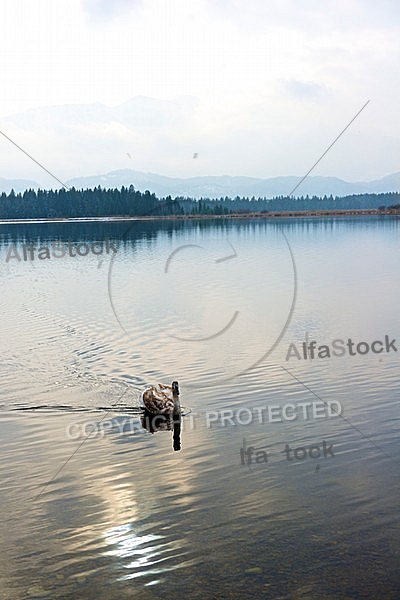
(104, 9)
(313, 16)
(256, 88)
(304, 90)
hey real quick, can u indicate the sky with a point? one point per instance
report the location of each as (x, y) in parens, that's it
(255, 87)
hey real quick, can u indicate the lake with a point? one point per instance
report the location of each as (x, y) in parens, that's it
(282, 479)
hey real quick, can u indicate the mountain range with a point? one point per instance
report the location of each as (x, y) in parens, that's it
(220, 186)
(18, 185)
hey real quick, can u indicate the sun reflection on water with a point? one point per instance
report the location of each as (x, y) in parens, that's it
(145, 551)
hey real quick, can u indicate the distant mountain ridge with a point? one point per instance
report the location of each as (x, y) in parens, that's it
(231, 186)
(18, 185)
(219, 185)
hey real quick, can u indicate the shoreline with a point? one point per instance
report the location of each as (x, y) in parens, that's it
(256, 215)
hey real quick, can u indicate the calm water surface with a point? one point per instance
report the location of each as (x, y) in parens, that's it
(215, 305)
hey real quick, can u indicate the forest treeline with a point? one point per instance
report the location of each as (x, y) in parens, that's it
(43, 204)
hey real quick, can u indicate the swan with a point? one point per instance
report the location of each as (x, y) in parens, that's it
(161, 399)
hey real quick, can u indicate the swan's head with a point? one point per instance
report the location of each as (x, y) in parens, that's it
(175, 388)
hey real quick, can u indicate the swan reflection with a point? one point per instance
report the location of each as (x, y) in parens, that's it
(170, 422)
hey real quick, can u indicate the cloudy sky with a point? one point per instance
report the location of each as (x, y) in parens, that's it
(255, 87)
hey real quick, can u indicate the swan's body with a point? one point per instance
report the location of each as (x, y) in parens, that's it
(162, 399)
